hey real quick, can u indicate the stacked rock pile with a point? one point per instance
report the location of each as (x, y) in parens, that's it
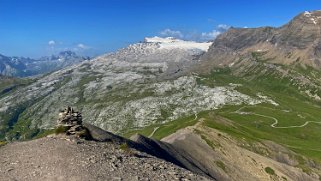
(72, 120)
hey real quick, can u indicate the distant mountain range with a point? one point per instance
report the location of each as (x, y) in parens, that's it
(22, 67)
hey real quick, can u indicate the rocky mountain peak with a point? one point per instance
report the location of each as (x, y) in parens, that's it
(302, 32)
(313, 16)
(298, 41)
(64, 55)
(67, 53)
(22, 67)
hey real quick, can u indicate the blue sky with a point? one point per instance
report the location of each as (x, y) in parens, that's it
(36, 28)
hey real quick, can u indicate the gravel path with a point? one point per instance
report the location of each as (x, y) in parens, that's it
(65, 158)
(154, 131)
(276, 121)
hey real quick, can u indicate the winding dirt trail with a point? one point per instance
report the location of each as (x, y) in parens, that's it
(196, 116)
(152, 134)
(276, 121)
(156, 128)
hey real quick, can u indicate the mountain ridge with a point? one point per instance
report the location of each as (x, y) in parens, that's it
(43, 159)
(297, 42)
(23, 67)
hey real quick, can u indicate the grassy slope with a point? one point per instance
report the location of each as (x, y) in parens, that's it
(9, 84)
(166, 129)
(294, 109)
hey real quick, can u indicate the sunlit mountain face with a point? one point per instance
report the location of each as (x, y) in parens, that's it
(160, 90)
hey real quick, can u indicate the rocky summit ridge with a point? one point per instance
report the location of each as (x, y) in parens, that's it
(297, 42)
(66, 156)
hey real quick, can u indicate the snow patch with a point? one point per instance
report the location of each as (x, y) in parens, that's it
(173, 43)
(307, 14)
(157, 39)
(310, 15)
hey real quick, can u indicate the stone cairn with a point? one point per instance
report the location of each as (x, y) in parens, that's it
(71, 120)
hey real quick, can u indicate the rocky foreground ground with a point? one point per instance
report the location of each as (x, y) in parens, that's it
(68, 158)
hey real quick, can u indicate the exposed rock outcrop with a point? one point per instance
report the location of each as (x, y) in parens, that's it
(296, 42)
